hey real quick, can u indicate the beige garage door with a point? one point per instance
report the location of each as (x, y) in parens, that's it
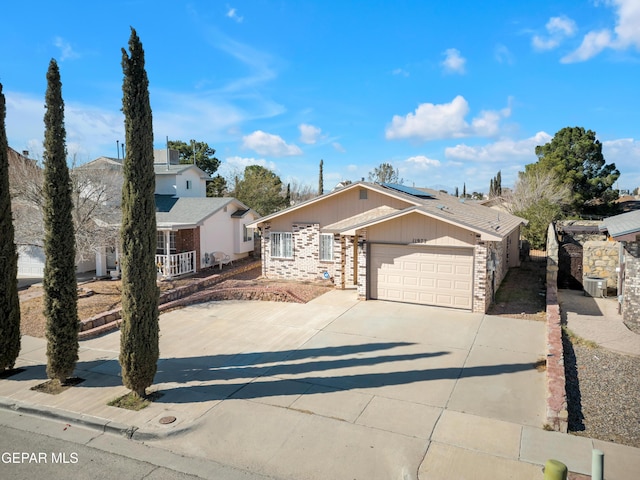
(440, 276)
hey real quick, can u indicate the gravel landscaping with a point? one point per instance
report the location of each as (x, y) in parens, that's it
(603, 393)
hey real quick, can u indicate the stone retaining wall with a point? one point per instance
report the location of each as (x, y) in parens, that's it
(106, 321)
(600, 259)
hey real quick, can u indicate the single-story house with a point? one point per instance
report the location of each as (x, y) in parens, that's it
(625, 228)
(392, 242)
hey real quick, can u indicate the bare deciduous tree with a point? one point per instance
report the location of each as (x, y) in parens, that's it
(96, 196)
(532, 187)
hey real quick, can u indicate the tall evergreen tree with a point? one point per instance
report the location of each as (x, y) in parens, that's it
(139, 341)
(9, 302)
(59, 282)
(321, 178)
(464, 190)
(457, 193)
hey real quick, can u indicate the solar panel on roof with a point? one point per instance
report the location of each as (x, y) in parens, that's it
(408, 190)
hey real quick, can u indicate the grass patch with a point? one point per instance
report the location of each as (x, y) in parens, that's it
(578, 340)
(132, 401)
(54, 387)
(541, 365)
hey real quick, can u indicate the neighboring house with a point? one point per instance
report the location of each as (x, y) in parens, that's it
(625, 228)
(190, 226)
(393, 242)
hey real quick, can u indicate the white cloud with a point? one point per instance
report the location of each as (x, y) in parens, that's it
(625, 153)
(447, 120)
(66, 51)
(240, 163)
(453, 62)
(503, 54)
(233, 14)
(513, 151)
(91, 131)
(309, 134)
(626, 33)
(421, 162)
(558, 28)
(401, 72)
(269, 144)
(338, 147)
(592, 44)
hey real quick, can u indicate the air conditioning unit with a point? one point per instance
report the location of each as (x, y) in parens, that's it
(595, 287)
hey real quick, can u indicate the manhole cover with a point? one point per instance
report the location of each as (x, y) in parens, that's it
(166, 420)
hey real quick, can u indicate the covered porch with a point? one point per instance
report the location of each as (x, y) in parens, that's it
(177, 251)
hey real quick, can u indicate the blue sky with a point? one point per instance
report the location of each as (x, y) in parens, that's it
(448, 92)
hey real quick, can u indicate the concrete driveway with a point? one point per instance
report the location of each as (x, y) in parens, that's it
(344, 389)
(336, 388)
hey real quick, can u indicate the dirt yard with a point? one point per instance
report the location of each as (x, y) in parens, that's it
(103, 295)
(523, 292)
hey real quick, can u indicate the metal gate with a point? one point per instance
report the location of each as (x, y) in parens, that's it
(570, 266)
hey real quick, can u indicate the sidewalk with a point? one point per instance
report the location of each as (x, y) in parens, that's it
(598, 320)
(335, 388)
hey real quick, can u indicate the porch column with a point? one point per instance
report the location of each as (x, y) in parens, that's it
(101, 262)
(167, 242)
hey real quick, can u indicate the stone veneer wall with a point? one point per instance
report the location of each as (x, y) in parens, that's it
(600, 259)
(631, 294)
(480, 256)
(305, 264)
(362, 265)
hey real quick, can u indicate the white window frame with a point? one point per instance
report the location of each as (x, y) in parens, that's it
(282, 244)
(247, 233)
(326, 247)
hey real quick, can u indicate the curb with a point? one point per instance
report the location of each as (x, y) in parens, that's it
(95, 423)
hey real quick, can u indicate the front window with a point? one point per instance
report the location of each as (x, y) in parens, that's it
(282, 244)
(326, 247)
(247, 233)
(161, 240)
(188, 184)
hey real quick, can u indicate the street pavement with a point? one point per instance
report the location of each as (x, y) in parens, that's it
(336, 388)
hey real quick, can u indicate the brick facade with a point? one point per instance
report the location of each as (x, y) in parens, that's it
(306, 264)
(188, 241)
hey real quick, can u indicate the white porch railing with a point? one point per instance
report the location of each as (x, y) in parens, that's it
(175, 265)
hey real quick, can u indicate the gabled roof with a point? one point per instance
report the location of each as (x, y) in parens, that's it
(102, 162)
(172, 212)
(489, 223)
(625, 226)
(164, 169)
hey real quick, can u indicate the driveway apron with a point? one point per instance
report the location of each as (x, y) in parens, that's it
(340, 388)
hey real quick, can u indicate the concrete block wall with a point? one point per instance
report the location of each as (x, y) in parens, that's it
(557, 413)
(600, 259)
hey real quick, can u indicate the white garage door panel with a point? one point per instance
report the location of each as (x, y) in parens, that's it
(438, 276)
(30, 261)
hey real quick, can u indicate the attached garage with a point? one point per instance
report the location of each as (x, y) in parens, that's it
(439, 276)
(30, 261)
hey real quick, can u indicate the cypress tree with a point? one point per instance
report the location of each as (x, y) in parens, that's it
(59, 282)
(9, 302)
(321, 179)
(139, 341)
